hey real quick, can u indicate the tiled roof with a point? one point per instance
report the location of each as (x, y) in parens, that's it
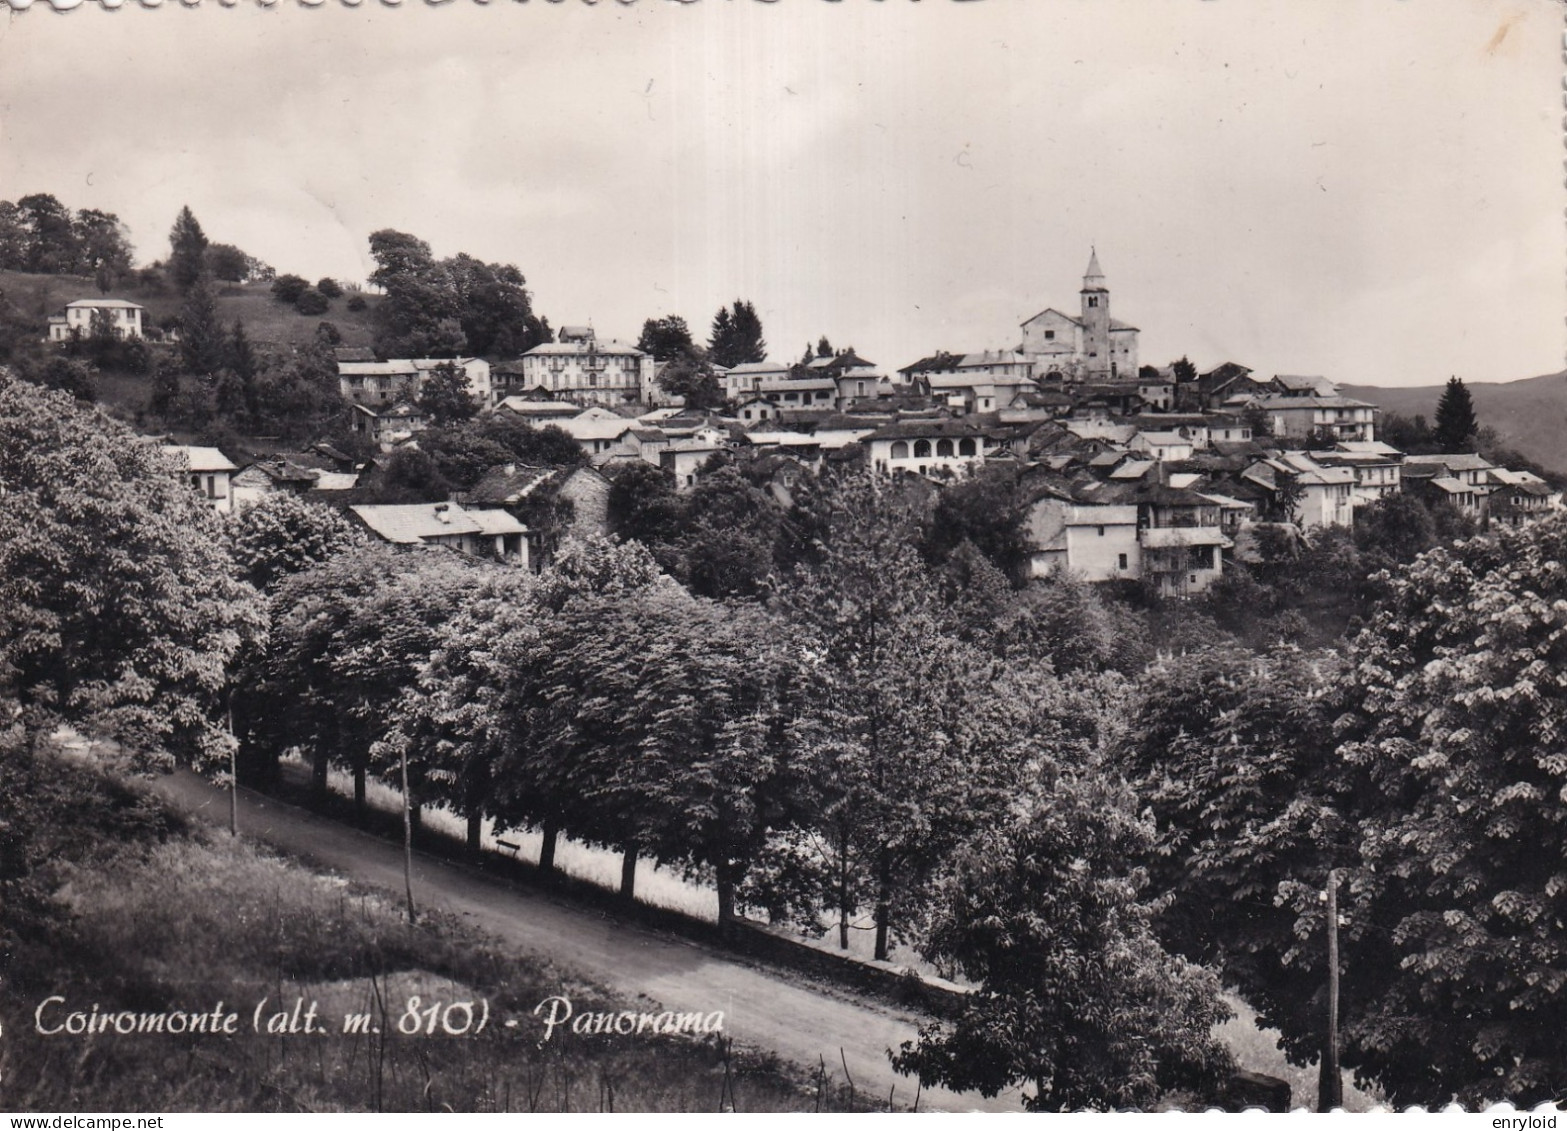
(508, 483)
(204, 459)
(411, 523)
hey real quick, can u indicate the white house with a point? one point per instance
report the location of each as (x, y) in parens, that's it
(583, 369)
(477, 532)
(928, 446)
(124, 316)
(386, 382)
(1091, 541)
(210, 472)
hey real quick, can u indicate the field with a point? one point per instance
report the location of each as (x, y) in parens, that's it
(266, 319)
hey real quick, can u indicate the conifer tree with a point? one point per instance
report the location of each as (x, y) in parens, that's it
(1456, 426)
(188, 247)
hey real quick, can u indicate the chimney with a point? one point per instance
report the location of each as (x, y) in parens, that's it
(443, 512)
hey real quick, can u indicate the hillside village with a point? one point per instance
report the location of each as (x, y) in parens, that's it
(1141, 474)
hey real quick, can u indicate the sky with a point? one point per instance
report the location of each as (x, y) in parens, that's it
(1369, 190)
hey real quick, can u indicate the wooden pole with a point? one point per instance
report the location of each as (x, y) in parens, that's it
(1330, 1090)
(408, 839)
(233, 771)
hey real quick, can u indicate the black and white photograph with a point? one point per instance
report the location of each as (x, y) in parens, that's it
(812, 557)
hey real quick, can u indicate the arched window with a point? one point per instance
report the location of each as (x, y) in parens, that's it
(944, 448)
(921, 449)
(900, 449)
(966, 448)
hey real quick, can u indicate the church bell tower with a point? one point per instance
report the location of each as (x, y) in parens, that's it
(1097, 363)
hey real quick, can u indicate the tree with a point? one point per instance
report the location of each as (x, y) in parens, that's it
(311, 302)
(494, 307)
(120, 612)
(823, 347)
(736, 336)
(187, 250)
(1456, 426)
(68, 376)
(643, 504)
(1411, 436)
(727, 540)
(446, 396)
(203, 348)
(51, 236)
(1075, 995)
(228, 263)
(987, 511)
(104, 247)
(282, 534)
(288, 288)
(330, 287)
(1456, 899)
(1257, 419)
(666, 338)
(691, 378)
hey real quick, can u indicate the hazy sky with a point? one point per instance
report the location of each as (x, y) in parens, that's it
(1366, 189)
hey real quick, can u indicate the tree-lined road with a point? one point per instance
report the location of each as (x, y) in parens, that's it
(761, 1008)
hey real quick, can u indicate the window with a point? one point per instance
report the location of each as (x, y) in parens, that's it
(966, 448)
(1050, 335)
(944, 448)
(1121, 564)
(900, 449)
(1093, 300)
(1101, 532)
(921, 450)
(212, 487)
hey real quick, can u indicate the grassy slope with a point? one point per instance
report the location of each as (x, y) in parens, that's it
(266, 320)
(181, 919)
(1529, 415)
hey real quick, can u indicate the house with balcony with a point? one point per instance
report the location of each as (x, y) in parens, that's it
(936, 446)
(581, 368)
(1377, 467)
(1300, 417)
(1181, 537)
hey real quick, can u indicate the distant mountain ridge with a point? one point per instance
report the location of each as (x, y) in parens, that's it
(1529, 415)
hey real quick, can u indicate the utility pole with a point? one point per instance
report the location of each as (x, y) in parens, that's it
(408, 840)
(233, 767)
(1330, 1087)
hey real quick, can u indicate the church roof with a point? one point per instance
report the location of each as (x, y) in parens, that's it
(1093, 278)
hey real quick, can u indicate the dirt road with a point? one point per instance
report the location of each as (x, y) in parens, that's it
(761, 1008)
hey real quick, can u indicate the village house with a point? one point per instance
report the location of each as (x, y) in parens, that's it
(389, 426)
(1299, 417)
(1460, 478)
(1327, 494)
(1377, 467)
(683, 459)
(124, 317)
(554, 503)
(1181, 537)
(1518, 497)
(1227, 384)
(1164, 446)
(579, 367)
(209, 471)
(477, 533)
(1087, 540)
(534, 413)
(385, 382)
(804, 392)
(928, 447)
(748, 376)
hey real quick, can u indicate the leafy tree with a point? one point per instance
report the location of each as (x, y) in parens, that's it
(446, 396)
(282, 534)
(120, 611)
(727, 540)
(1456, 426)
(228, 263)
(330, 287)
(1457, 896)
(692, 379)
(1257, 419)
(187, 250)
(736, 336)
(68, 376)
(288, 288)
(666, 338)
(1075, 995)
(643, 505)
(414, 470)
(1288, 494)
(311, 302)
(14, 237)
(494, 308)
(50, 235)
(1395, 530)
(104, 247)
(986, 510)
(1412, 436)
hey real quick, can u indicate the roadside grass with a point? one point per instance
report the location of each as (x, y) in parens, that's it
(1258, 1049)
(181, 922)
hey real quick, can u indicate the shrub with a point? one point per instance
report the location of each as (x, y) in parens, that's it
(356, 303)
(288, 288)
(312, 302)
(330, 288)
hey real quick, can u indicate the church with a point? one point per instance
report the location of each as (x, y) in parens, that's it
(1091, 347)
